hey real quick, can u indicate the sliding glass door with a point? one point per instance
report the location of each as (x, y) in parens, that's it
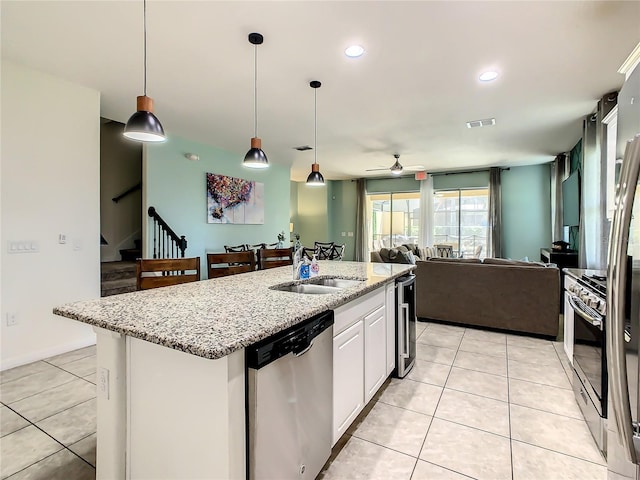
(461, 219)
(392, 219)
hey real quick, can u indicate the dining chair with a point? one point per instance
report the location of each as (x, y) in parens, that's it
(308, 252)
(274, 257)
(323, 250)
(162, 272)
(337, 252)
(444, 250)
(243, 247)
(223, 264)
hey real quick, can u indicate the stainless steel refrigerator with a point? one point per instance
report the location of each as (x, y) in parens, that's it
(623, 297)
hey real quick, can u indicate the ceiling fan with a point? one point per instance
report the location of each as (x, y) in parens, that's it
(397, 168)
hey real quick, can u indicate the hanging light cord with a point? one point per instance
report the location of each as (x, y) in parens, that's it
(255, 89)
(144, 15)
(315, 123)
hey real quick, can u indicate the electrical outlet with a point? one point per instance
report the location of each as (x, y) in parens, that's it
(12, 319)
(103, 382)
(344, 234)
(62, 239)
(351, 234)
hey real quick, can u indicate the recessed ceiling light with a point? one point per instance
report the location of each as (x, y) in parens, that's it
(488, 76)
(354, 51)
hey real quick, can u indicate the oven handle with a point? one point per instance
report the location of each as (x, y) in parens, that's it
(619, 388)
(596, 322)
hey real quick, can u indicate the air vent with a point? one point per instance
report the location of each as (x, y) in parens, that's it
(485, 122)
(303, 148)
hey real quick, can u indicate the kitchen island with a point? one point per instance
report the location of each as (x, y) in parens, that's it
(171, 372)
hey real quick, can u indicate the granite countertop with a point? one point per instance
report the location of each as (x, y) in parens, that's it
(213, 318)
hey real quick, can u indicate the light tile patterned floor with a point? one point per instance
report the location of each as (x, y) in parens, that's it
(48, 418)
(477, 404)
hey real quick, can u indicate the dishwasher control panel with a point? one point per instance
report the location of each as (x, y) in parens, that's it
(292, 340)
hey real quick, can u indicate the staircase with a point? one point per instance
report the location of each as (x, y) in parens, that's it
(117, 277)
(132, 254)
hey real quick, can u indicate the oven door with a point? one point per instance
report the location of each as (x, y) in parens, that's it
(589, 355)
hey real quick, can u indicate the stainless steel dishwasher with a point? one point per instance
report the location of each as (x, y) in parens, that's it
(290, 401)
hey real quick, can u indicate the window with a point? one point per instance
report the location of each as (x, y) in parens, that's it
(461, 219)
(392, 219)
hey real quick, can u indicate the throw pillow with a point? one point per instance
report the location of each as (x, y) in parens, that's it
(384, 254)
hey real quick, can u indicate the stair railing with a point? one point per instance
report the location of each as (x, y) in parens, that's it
(166, 243)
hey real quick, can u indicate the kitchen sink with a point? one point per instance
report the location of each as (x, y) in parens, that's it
(338, 282)
(311, 288)
(319, 286)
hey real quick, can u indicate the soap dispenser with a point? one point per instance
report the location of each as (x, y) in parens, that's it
(315, 267)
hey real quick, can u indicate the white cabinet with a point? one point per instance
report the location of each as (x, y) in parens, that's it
(348, 381)
(359, 356)
(568, 318)
(390, 307)
(375, 346)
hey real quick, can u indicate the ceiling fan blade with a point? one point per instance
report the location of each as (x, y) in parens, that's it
(376, 169)
(414, 168)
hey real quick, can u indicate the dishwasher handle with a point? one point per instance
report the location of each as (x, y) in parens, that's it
(304, 350)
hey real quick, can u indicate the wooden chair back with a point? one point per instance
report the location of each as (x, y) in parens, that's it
(223, 264)
(153, 273)
(243, 247)
(274, 257)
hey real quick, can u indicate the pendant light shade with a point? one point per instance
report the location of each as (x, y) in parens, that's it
(255, 157)
(144, 126)
(315, 178)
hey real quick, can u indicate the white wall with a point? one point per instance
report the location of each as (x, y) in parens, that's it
(50, 185)
(120, 169)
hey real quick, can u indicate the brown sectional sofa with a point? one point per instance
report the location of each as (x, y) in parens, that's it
(496, 293)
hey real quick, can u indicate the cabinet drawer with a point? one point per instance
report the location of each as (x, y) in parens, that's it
(346, 315)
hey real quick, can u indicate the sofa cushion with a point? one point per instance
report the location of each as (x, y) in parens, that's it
(506, 261)
(455, 260)
(413, 248)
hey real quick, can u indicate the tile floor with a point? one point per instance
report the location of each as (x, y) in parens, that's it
(477, 404)
(48, 418)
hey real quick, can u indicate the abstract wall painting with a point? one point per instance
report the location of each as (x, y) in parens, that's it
(234, 200)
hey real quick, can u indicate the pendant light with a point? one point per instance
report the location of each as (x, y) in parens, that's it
(255, 157)
(315, 178)
(144, 126)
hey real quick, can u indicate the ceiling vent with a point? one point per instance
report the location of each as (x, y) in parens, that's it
(485, 122)
(303, 148)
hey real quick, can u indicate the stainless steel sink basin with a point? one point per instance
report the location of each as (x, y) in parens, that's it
(339, 282)
(309, 288)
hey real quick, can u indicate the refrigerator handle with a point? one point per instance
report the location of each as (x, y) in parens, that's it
(619, 388)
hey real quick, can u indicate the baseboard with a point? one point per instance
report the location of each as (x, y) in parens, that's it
(47, 352)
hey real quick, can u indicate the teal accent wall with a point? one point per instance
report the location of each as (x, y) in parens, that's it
(342, 215)
(386, 185)
(526, 211)
(312, 214)
(461, 180)
(177, 188)
(293, 205)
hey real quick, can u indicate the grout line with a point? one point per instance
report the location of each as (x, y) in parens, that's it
(62, 411)
(448, 469)
(384, 446)
(38, 393)
(509, 412)
(34, 463)
(74, 453)
(604, 464)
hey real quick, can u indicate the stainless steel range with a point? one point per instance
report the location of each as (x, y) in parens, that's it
(588, 301)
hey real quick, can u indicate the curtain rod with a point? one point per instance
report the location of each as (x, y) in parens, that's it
(465, 171)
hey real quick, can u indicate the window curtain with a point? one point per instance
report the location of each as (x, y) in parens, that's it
(425, 233)
(589, 252)
(361, 222)
(558, 169)
(495, 213)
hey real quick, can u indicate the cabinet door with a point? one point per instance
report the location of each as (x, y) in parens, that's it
(375, 346)
(348, 378)
(390, 307)
(568, 327)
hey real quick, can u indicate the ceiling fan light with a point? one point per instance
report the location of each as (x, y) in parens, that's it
(255, 157)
